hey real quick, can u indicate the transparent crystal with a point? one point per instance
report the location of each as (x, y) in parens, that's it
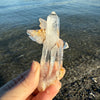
(52, 53)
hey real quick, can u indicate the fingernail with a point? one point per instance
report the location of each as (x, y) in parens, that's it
(58, 85)
(34, 66)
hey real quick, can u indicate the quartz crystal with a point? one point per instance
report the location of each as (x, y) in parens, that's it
(52, 53)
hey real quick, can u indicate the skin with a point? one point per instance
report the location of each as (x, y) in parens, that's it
(24, 87)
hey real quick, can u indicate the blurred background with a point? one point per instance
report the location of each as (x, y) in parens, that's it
(80, 27)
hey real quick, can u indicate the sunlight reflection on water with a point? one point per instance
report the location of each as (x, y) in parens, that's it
(19, 11)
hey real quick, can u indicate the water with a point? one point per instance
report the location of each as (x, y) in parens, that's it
(21, 12)
(80, 27)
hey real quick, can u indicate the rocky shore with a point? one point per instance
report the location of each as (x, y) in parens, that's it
(81, 60)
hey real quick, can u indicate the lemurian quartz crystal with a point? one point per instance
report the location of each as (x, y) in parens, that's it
(52, 53)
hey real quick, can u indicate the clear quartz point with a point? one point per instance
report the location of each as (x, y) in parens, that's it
(52, 52)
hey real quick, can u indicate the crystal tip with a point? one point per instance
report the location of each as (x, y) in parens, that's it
(53, 13)
(66, 46)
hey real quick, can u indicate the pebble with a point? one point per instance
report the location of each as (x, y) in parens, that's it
(94, 79)
(92, 94)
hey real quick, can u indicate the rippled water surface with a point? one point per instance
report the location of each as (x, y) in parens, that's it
(80, 27)
(20, 12)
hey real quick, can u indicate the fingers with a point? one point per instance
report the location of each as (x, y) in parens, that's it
(49, 93)
(27, 86)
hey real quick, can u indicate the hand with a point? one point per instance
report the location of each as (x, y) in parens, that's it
(24, 87)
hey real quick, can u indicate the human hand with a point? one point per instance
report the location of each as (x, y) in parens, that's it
(24, 87)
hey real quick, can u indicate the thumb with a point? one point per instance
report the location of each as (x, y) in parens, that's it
(28, 85)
